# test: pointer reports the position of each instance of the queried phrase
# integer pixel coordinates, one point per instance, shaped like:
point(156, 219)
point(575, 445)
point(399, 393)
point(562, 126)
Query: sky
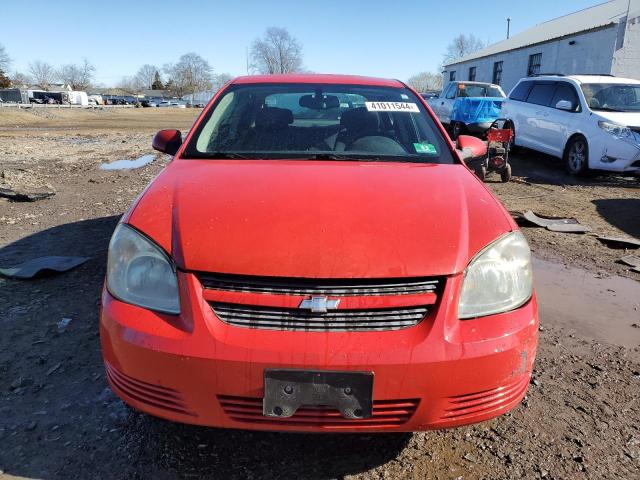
point(393, 39)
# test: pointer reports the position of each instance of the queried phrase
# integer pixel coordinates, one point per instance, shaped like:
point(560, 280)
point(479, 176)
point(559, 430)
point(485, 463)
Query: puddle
point(129, 164)
point(598, 308)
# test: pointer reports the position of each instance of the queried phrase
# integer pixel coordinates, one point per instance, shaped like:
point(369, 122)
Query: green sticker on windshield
point(425, 147)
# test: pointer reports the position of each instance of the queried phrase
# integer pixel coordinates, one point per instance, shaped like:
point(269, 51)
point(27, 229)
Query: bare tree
point(5, 60)
point(276, 52)
point(5, 82)
point(79, 77)
point(460, 46)
point(219, 80)
point(425, 81)
point(19, 79)
point(146, 76)
point(42, 73)
point(191, 74)
point(129, 84)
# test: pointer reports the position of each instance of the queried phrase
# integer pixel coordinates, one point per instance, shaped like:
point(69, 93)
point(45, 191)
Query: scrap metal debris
point(32, 268)
point(619, 242)
point(632, 261)
point(22, 185)
point(555, 224)
point(24, 196)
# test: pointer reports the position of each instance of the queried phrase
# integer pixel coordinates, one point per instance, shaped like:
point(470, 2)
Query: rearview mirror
point(470, 147)
point(319, 102)
point(167, 141)
point(564, 105)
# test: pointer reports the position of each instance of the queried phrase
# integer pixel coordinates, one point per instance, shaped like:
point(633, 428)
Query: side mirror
point(564, 105)
point(167, 141)
point(470, 147)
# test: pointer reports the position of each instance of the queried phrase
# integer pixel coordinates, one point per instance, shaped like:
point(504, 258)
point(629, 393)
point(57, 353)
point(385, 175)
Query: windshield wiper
point(330, 156)
point(225, 155)
point(607, 109)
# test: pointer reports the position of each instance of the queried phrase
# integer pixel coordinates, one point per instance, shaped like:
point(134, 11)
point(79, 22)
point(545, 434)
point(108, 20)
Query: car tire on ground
point(505, 174)
point(512, 145)
point(481, 172)
point(576, 155)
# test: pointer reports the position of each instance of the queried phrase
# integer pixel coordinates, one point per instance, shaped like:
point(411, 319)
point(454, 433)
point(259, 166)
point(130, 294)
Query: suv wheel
point(576, 156)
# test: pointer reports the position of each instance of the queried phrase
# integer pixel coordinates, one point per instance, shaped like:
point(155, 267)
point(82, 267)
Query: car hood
point(319, 219)
point(631, 119)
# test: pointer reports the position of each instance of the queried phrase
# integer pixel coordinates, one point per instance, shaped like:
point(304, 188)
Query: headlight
point(615, 129)
point(498, 279)
point(140, 273)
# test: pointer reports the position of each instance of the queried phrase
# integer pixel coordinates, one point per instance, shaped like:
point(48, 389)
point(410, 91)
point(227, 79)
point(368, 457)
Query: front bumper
point(196, 369)
point(615, 154)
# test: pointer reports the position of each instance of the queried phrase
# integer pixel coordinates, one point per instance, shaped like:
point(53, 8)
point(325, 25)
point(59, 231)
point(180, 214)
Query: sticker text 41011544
point(392, 107)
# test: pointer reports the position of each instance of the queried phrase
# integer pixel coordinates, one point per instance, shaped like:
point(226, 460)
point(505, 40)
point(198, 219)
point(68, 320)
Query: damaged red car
point(317, 257)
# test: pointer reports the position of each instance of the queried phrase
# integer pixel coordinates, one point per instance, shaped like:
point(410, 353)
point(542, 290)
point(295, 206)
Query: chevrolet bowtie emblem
point(319, 304)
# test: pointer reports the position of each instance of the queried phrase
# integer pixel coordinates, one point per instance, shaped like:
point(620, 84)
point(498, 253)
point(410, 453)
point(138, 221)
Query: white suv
point(590, 121)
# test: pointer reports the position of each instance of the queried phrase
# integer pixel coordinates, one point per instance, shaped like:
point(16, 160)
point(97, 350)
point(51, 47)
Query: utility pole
point(247, 57)
point(508, 25)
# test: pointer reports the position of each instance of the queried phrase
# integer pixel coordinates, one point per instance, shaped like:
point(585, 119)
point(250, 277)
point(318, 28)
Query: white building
point(602, 39)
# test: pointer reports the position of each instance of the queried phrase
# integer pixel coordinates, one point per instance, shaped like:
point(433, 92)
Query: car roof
point(476, 83)
point(583, 78)
point(319, 78)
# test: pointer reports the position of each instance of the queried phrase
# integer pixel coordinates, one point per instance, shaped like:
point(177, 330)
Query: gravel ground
point(58, 419)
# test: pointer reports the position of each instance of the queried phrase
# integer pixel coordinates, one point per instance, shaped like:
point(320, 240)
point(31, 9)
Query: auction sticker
point(392, 107)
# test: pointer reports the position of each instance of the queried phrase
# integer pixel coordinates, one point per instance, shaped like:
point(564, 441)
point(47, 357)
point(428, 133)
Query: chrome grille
point(309, 286)
point(252, 316)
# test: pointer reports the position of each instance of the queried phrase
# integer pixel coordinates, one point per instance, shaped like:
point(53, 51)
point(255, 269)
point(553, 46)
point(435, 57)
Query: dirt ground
point(58, 418)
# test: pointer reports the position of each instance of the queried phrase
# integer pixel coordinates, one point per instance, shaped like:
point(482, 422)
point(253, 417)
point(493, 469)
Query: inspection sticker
point(425, 147)
point(392, 107)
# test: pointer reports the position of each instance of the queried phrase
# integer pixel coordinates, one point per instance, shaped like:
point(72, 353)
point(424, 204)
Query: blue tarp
point(476, 109)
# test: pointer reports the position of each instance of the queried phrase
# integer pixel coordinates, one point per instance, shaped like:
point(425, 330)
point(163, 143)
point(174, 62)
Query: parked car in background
point(431, 94)
point(164, 104)
point(307, 263)
point(590, 121)
point(453, 111)
point(97, 99)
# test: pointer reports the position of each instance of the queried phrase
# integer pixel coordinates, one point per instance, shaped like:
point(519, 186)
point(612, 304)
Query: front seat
point(356, 123)
point(272, 129)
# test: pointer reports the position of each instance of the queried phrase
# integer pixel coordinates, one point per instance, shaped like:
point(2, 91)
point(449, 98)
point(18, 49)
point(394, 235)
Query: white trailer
point(78, 98)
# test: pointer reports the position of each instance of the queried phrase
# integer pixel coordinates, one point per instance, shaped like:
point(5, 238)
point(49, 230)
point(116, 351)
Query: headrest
point(360, 119)
point(272, 117)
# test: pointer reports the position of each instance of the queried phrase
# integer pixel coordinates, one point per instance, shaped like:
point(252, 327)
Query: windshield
point(319, 121)
point(471, 90)
point(613, 97)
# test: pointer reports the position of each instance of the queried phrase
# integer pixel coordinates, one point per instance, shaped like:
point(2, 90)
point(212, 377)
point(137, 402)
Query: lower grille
point(152, 395)
point(479, 403)
point(252, 316)
point(386, 413)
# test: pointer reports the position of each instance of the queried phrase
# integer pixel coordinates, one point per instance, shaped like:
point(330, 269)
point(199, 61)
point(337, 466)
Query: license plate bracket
point(287, 390)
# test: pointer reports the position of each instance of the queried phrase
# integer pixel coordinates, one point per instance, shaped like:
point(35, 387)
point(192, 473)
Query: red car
point(317, 257)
